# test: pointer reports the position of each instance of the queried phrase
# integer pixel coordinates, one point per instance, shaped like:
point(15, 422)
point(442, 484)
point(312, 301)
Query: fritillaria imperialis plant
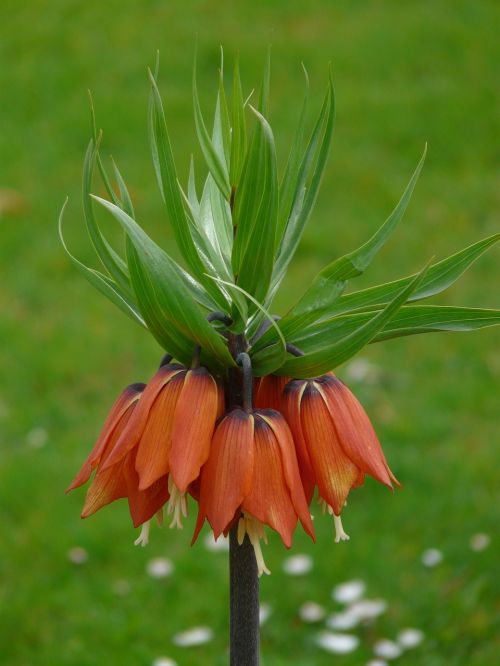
point(244, 417)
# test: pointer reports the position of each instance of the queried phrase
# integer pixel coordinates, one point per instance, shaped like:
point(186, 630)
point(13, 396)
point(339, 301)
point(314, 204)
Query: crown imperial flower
point(195, 429)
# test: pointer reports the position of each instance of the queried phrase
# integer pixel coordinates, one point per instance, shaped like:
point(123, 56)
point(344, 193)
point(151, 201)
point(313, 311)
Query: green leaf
point(288, 186)
point(215, 163)
point(239, 133)
point(167, 180)
point(166, 295)
point(101, 282)
point(325, 359)
point(113, 263)
point(308, 183)
point(221, 133)
point(410, 320)
point(168, 336)
point(253, 252)
point(215, 220)
point(331, 281)
point(191, 192)
point(439, 277)
point(97, 140)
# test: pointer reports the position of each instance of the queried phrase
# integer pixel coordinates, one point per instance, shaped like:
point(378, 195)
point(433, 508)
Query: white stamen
point(176, 505)
point(340, 535)
point(143, 538)
point(159, 517)
point(255, 530)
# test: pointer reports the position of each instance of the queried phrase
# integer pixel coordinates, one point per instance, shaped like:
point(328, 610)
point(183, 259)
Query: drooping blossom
point(252, 479)
point(161, 443)
point(119, 480)
point(335, 442)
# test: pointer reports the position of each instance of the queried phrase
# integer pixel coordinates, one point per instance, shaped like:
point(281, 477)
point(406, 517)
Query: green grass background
point(405, 73)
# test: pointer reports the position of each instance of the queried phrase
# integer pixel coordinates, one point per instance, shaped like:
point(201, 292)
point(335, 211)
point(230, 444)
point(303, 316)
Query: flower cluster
point(246, 466)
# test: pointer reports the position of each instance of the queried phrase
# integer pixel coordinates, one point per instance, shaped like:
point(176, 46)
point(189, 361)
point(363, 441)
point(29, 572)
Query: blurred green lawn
point(405, 73)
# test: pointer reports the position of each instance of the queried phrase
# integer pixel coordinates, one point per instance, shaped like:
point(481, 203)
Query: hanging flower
point(335, 441)
point(119, 480)
point(163, 443)
point(252, 478)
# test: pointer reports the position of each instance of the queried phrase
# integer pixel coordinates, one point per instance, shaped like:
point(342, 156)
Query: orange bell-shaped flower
point(336, 443)
point(252, 477)
point(119, 480)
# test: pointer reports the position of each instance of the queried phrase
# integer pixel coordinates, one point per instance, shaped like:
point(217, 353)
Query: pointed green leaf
point(113, 263)
point(167, 289)
point(410, 320)
point(439, 277)
point(253, 252)
point(288, 186)
point(215, 163)
point(324, 360)
point(221, 134)
point(331, 281)
point(191, 192)
point(239, 133)
point(166, 174)
point(309, 180)
point(101, 282)
point(168, 336)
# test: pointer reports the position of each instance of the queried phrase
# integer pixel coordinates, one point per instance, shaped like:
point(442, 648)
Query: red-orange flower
point(335, 441)
point(252, 477)
point(119, 480)
point(171, 431)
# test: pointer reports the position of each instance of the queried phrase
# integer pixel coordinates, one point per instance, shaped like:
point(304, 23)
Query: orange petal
point(108, 485)
point(269, 392)
point(334, 472)
point(269, 499)
point(143, 504)
point(153, 450)
point(226, 478)
point(132, 434)
point(289, 459)
point(193, 426)
point(113, 425)
point(356, 434)
point(292, 397)
point(221, 400)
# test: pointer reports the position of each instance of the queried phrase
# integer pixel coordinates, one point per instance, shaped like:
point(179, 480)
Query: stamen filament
point(176, 505)
point(340, 535)
point(255, 530)
point(143, 538)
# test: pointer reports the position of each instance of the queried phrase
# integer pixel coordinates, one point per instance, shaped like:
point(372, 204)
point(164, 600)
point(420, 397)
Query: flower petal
point(113, 425)
point(269, 499)
point(132, 434)
point(154, 447)
point(226, 478)
point(193, 426)
point(355, 431)
point(270, 391)
point(289, 459)
point(292, 397)
point(108, 485)
point(143, 504)
point(334, 472)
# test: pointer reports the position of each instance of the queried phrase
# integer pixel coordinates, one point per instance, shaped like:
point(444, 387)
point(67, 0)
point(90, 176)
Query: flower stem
point(244, 634)
point(244, 602)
